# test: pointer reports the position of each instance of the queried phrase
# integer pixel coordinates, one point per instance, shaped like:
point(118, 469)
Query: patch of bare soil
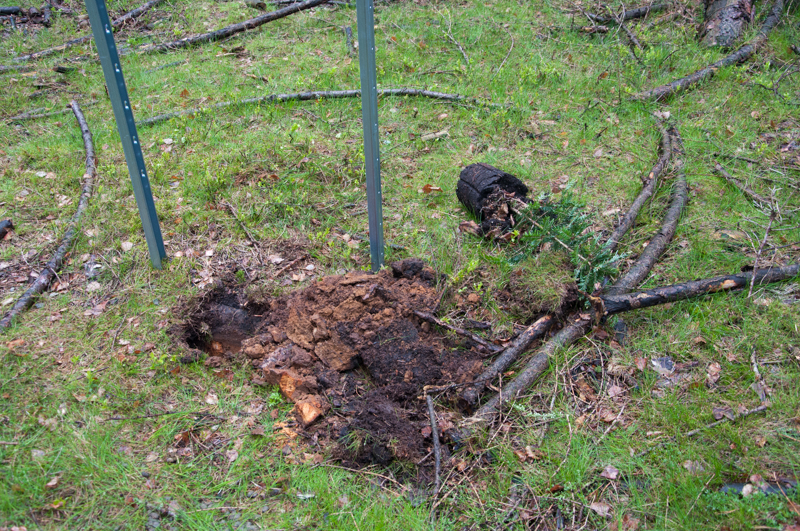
point(348, 351)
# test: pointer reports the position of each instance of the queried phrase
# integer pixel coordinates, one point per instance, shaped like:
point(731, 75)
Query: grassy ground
point(97, 348)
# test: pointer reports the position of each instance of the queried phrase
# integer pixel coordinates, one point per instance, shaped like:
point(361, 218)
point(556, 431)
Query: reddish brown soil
point(349, 352)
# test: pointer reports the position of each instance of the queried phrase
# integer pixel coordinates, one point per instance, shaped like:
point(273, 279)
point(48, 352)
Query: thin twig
point(507, 54)
point(437, 450)
point(694, 432)
point(320, 95)
point(449, 35)
point(290, 264)
point(700, 494)
point(460, 331)
point(760, 250)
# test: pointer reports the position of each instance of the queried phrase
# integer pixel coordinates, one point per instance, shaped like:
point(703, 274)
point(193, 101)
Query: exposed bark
point(47, 275)
point(5, 226)
point(614, 304)
point(629, 14)
point(47, 13)
point(649, 187)
point(658, 243)
point(724, 21)
point(127, 17)
point(233, 29)
point(479, 181)
point(742, 54)
point(574, 330)
point(469, 396)
point(316, 95)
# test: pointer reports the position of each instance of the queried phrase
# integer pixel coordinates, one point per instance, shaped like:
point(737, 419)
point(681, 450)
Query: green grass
point(294, 174)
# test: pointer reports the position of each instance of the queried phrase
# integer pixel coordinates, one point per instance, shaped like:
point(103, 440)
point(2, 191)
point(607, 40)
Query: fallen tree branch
point(437, 450)
point(233, 29)
point(127, 17)
point(317, 95)
point(460, 331)
point(573, 331)
point(658, 243)
point(44, 279)
point(638, 12)
point(469, 396)
point(32, 115)
point(580, 324)
point(694, 432)
point(650, 185)
point(739, 56)
point(614, 304)
point(11, 10)
point(742, 187)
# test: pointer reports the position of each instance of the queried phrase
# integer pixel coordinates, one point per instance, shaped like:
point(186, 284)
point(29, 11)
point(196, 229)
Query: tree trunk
point(724, 21)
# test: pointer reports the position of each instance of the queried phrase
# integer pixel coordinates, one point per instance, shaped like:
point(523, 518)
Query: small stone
point(145, 474)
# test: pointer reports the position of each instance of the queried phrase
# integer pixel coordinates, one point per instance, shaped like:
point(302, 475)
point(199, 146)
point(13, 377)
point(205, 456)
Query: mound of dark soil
point(348, 351)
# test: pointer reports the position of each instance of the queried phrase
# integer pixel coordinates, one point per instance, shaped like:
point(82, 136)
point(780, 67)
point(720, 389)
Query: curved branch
point(317, 95)
point(131, 15)
point(658, 243)
point(580, 324)
point(233, 29)
point(650, 185)
point(739, 56)
point(44, 279)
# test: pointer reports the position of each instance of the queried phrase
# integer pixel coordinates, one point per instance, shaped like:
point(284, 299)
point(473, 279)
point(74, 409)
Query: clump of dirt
point(348, 351)
point(540, 284)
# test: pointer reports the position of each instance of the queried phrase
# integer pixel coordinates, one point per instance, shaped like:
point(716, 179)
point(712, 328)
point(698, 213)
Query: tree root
point(317, 95)
point(127, 17)
point(614, 304)
point(658, 243)
point(460, 331)
point(47, 275)
point(233, 29)
point(739, 56)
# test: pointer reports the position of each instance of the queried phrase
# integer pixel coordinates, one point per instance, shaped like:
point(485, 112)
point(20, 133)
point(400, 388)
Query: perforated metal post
point(369, 112)
point(118, 93)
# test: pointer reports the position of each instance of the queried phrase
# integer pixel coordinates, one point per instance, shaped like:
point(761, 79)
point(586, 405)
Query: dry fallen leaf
point(610, 472)
point(601, 508)
point(126, 246)
point(232, 455)
point(212, 399)
point(428, 188)
point(53, 483)
point(713, 373)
